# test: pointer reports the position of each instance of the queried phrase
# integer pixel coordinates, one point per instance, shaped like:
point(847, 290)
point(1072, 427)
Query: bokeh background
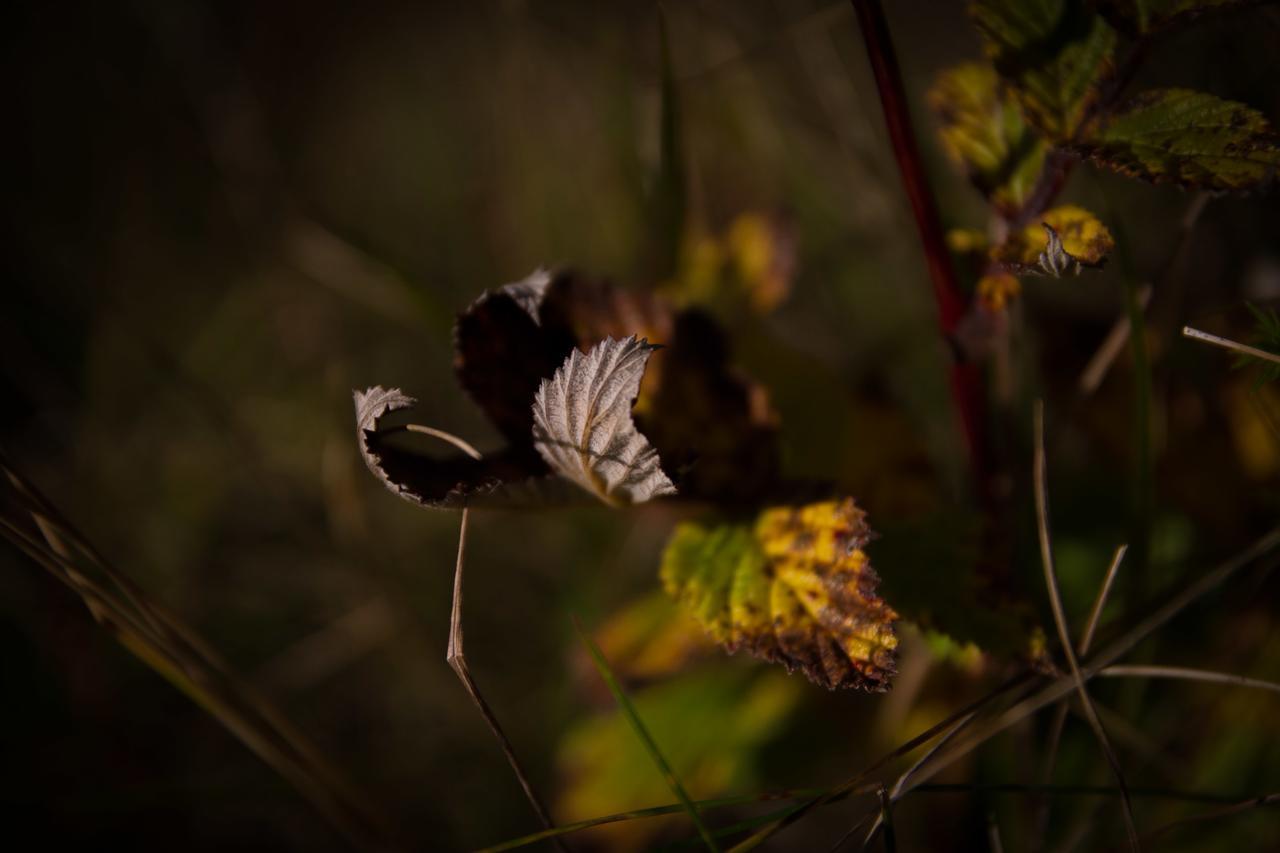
point(222, 217)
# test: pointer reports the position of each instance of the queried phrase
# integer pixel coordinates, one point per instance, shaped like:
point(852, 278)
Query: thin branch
point(965, 380)
point(1060, 617)
point(1188, 674)
point(1228, 344)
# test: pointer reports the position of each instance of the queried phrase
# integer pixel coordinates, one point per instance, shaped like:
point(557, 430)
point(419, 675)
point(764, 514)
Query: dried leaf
point(795, 588)
point(1055, 53)
point(583, 426)
point(509, 478)
point(502, 353)
point(1189, 138)
point(983, 131)
point(1066, 239)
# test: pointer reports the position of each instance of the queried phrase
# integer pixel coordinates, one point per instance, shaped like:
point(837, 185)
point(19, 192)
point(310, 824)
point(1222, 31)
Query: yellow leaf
point(796, 588)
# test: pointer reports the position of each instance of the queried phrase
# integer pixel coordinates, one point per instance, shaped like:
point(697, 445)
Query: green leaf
point(1189, 138)
point(983, 131)
point(1054, 53)
point(795, 588)
point(1139, 17)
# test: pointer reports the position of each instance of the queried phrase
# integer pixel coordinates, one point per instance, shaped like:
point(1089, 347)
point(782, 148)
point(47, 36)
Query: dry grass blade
point(1060, 716)
point(1060, 617)
point(1110, 348)
point(457, 660)
point(1188, 674)
point(173, 650)
point(856, 784)
point(1055, 691)
point(654, 811)
point(1215, 814)
point(650, 745)
point(896, 793)
point(1228, 344)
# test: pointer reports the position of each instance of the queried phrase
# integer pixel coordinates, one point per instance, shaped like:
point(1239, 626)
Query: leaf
point(508, 478)
point(1065, 239)
point(502, 352)
point(795, 588)
point(983, 131)
point(583, 426)
point(1139, 17)
point(1056, 54)
point(1188, 138)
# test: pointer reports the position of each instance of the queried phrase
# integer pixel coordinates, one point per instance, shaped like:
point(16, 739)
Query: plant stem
point(965, 380)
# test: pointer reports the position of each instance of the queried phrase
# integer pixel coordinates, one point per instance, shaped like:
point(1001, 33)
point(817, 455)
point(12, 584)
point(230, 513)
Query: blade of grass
point(654, 811)
point(1215, 814)
point(1187, 674)
point(1060, 618)
point(160, 641)
point(1041, 823)
point(651, 746)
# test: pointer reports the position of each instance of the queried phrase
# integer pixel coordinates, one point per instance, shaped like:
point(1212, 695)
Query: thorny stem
point(965, 380)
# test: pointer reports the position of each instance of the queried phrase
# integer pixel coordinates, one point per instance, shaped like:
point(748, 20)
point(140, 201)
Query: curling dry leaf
point(1063, 240)
point(1188, 138)
point(512, 477)
point(983, 131)
point(583, 426)
point(795, 588)
point(1056, 54)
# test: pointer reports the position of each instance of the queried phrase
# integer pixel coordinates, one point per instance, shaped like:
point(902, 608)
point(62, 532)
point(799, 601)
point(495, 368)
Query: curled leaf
point(451, 481)
point(1189, 138)
point(795, 588)
point(983, 131)
point(583, 426)
point(1066, 239)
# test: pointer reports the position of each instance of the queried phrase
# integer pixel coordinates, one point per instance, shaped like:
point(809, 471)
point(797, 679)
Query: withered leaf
point(795, 588)
point(583, 426)
point(452, 481)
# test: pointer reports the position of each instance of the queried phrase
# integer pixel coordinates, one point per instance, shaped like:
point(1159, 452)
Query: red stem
point(965, 380)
